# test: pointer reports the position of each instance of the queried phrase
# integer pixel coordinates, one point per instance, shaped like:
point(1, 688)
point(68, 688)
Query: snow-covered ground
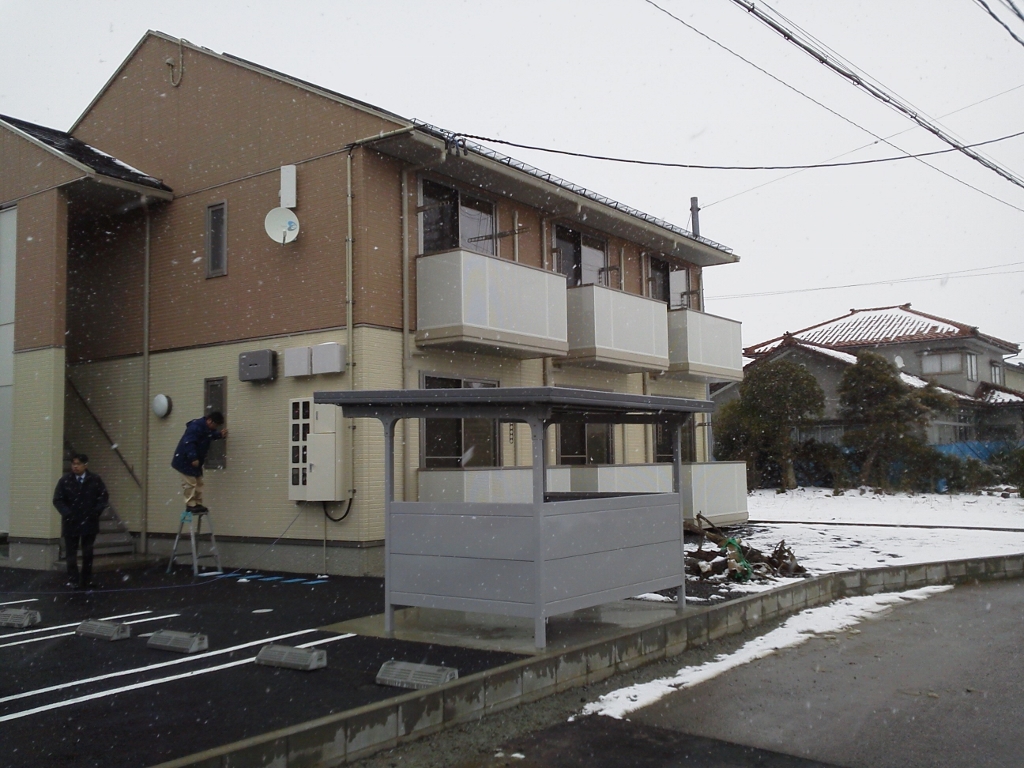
point(838, 533)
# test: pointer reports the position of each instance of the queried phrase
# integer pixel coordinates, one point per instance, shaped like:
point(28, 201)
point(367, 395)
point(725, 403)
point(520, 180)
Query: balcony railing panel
point(616, 330)
point(471, 302)
point(717, 489)
point(704, 347)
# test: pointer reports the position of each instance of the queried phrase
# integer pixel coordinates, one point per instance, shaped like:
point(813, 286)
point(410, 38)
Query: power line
point(826, 108)
point(880, 94)
point(863, 146)
point(696, 166)
point(956, 274)
point(1005, 26)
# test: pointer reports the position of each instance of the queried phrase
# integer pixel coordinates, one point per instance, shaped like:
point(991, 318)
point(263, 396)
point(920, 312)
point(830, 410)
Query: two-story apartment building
point(281, 239)
point(957, 358)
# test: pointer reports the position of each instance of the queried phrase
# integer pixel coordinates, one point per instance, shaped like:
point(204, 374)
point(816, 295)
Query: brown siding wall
point(269, 288)
point(26, 168)
point(221, 123)
point(41, 271)
point(105, 276)
point(377, 263)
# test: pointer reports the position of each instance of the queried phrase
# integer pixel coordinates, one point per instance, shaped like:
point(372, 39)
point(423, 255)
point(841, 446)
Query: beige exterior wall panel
point(250, 497)
point(38, 441)
point(41, 271)
point(27, 169)
point(112, 392)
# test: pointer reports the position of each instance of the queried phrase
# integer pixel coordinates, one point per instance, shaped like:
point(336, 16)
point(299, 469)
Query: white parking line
point(68, 634)
point(16, 602)
point(160, 665)
point(148, 683)
point(72, 624)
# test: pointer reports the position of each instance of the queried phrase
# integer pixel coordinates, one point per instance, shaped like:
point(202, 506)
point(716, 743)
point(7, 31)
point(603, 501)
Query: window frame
point(574, 277)
point(995, 371)
point(460, 243)
point(940, 356)
point(496, 459)
point(972, 366)
point(216, 457)
point(223, 269)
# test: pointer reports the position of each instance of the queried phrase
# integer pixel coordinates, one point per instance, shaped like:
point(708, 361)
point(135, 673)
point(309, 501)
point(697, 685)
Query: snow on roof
point(1001, 397)
point(77, 150)
point(879, 325)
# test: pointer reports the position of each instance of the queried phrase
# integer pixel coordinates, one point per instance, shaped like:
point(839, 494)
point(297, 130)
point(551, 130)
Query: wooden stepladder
point(195, 532)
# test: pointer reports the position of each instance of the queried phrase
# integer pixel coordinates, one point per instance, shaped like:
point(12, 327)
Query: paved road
point(932, 683)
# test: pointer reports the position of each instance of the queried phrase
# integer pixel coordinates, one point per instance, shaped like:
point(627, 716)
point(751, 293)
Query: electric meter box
point(318, 466)
point(257, 366)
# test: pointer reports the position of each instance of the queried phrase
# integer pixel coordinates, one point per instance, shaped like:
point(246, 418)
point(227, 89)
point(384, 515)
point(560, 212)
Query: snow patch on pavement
point(835, 617)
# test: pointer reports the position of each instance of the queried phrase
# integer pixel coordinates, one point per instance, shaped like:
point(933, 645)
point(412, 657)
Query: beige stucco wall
point(38, 442)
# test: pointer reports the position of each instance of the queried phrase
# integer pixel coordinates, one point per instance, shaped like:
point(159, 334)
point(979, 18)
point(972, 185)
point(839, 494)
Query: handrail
point(99, 424)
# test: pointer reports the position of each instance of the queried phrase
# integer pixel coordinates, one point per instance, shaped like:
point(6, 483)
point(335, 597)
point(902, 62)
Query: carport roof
point(550, 404)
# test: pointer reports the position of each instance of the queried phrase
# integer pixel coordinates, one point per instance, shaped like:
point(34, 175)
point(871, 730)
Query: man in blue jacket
point(190, 455)
point(80, 497)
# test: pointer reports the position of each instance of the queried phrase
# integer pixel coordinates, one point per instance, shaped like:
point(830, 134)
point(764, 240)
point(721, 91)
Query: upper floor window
point(972, 366)
point(581, 258)
point(216, 240)
point(945, 362)
point(659, 280)
point(997, 373)
point(584, 443)
point(453, 219)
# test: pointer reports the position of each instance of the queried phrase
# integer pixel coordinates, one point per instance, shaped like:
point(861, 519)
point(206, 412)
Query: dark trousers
point(71, 555)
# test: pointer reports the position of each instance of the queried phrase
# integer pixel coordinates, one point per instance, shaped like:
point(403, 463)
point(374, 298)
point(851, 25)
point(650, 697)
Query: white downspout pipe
point(144, 510)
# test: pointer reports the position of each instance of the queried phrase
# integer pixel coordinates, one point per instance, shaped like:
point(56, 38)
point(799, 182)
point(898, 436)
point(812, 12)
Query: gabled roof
point(878, 326)
point(470, 160)
point(80, 154)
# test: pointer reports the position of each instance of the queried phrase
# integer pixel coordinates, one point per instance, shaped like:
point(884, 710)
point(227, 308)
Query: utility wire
point(1013, 8)
point(826, 108)
point(1006, 26)
point(858, 149)
point(918, 278)
point(805, 167)
point(880, 94)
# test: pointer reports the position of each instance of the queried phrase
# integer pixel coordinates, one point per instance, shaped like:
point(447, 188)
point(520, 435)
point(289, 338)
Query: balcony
point(718, 490)
point(469, 302)
point(704, 347)
point(616, 331)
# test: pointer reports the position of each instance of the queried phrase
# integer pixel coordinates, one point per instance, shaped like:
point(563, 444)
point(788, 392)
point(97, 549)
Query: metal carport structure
point(551, 556)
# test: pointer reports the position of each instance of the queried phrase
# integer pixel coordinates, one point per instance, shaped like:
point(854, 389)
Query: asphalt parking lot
point(68, 700)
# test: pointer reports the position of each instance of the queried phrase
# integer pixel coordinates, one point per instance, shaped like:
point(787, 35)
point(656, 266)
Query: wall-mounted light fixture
point(161, 406)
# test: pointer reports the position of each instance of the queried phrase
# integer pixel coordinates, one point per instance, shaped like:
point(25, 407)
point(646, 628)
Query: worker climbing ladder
point(194, 519)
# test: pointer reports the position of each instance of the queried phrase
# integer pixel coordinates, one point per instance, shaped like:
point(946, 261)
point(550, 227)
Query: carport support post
point(677, 481)
point(389, 495)
point(539, 481)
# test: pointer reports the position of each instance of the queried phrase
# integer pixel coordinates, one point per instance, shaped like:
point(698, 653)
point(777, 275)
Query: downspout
point(144, 512)
point(544, 257)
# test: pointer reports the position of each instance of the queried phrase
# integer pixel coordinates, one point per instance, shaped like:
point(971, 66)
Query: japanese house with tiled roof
point(956, 357)
point(138, 264)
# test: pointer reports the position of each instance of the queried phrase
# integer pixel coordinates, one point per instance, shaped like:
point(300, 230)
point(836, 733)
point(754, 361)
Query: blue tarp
point(976, 449)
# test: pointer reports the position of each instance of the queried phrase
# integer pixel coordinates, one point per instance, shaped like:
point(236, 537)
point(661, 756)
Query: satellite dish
point(282, 225)
point(899, 362)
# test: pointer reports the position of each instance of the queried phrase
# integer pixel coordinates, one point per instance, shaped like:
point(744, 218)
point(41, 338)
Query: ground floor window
point(585, 444)
point(663, 442)
point(458, 443)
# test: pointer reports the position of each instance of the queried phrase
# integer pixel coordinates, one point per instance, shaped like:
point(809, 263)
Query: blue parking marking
point(270, 578)
point(319, 581)
point(294, 581)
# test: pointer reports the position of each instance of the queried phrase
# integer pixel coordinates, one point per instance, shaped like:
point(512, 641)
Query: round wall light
point(161, 406)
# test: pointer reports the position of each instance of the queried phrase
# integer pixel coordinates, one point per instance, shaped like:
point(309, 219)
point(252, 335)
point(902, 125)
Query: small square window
point(216, 240)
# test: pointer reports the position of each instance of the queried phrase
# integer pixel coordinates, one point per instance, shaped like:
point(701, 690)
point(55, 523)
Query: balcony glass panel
point(616, 330)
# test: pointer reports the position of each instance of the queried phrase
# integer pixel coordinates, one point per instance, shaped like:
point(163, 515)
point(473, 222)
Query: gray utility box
point(257, 366)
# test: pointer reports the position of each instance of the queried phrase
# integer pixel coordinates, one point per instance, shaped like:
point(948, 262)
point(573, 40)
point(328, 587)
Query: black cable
point(696, 166)
point(828, 109)
point(347, 510)
point(1006, 26)
point(878, 93)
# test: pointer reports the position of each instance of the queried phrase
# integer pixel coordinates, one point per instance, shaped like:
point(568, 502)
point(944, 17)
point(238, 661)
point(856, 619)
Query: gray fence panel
point(488, 537)
point(477, 578)
point(607, 530)
point(602, 571)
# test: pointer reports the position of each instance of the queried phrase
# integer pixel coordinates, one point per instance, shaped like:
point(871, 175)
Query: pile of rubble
point(729, 558)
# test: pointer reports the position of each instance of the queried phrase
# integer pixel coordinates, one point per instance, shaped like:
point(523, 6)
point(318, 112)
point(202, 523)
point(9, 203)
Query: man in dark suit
point(80, 497)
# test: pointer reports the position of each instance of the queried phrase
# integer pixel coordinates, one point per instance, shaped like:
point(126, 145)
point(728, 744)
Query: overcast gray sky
point(623, 78)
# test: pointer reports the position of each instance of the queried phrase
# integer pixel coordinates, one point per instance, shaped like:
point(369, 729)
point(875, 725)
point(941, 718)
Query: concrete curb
point(345, 737)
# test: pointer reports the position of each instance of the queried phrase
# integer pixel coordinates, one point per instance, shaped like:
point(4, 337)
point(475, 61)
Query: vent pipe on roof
point(694, 211)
